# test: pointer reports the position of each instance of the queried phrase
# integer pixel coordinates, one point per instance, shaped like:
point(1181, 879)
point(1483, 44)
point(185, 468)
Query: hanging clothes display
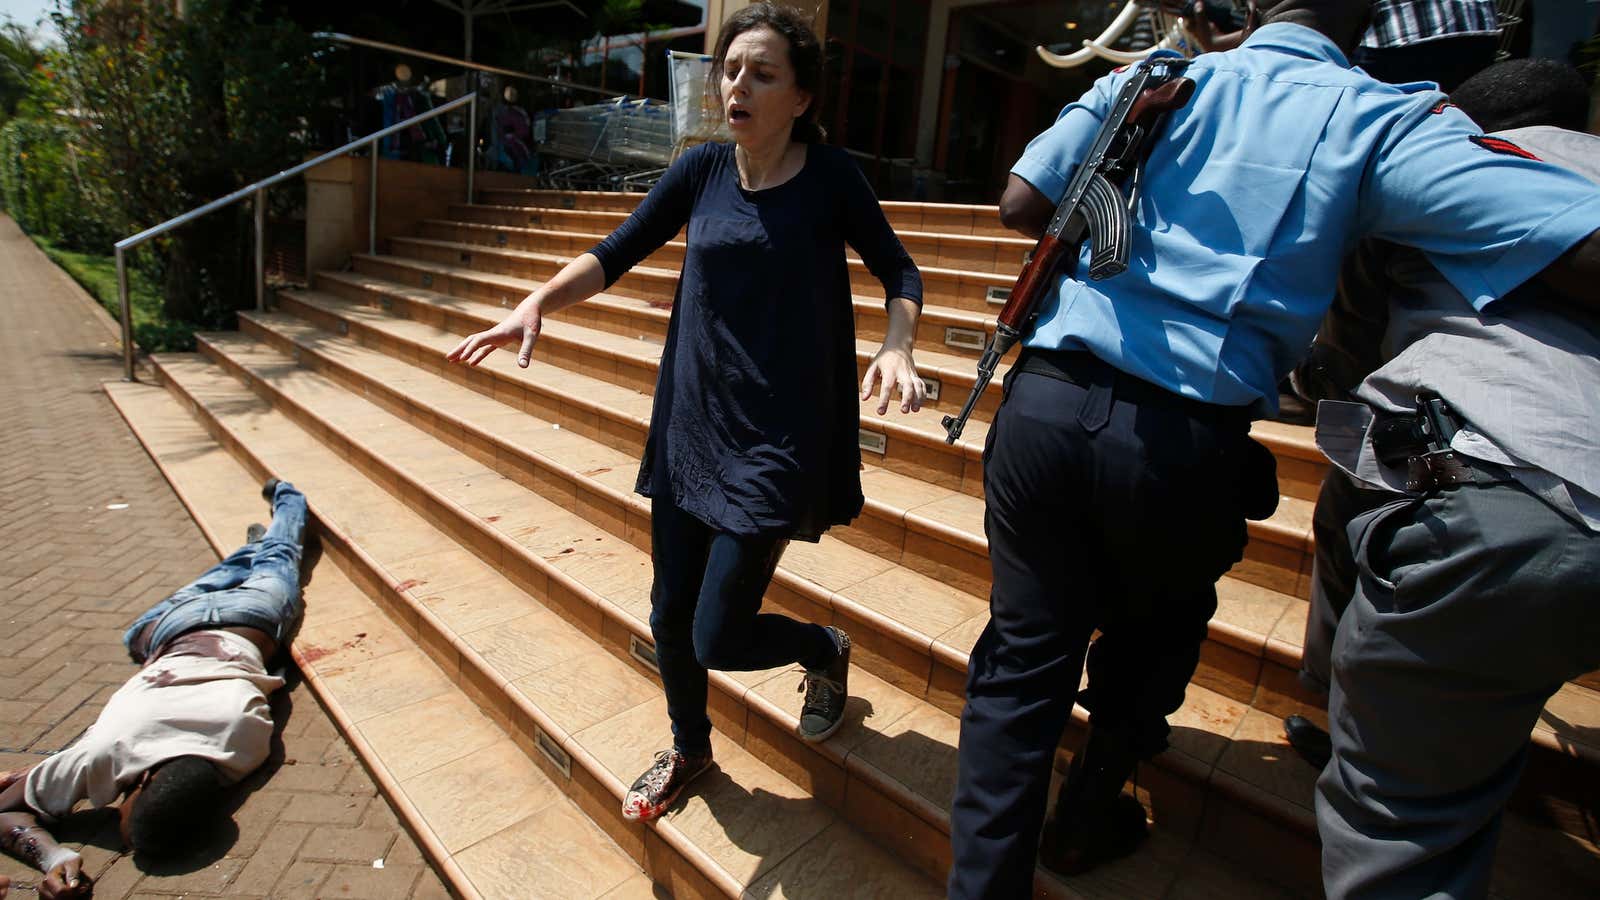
point(423, 142)
point(511, 137)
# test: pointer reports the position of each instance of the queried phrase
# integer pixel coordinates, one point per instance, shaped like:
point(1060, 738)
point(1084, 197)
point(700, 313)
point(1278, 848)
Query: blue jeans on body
point(705, 614)
point(258, 586)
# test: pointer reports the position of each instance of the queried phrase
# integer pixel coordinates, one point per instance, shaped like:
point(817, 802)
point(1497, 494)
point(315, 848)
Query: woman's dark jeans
point(705, 614)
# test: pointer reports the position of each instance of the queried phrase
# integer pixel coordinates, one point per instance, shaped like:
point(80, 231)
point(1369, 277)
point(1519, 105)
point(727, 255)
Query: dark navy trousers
point(705, 613)
point(1111, 505)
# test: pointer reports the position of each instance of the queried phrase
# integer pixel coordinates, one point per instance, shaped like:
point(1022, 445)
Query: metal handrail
point(422, 54)
point(259, 190)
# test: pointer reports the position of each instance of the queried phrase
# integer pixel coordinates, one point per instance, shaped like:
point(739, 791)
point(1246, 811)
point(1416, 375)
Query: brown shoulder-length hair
point(805, 57)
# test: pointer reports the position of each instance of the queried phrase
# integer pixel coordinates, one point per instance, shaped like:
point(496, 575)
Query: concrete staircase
point(482, 633)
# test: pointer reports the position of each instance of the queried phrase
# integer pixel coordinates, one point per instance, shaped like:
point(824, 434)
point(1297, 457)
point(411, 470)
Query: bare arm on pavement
point(23, 837)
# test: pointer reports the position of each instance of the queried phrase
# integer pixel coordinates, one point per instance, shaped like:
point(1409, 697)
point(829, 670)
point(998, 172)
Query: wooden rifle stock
point(1093, 205)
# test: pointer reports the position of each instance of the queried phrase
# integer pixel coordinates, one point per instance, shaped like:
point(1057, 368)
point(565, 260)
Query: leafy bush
point(42, 188)
point(167, 112)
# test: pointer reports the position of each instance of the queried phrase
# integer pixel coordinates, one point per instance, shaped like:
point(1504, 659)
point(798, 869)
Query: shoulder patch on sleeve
point(1501, 145)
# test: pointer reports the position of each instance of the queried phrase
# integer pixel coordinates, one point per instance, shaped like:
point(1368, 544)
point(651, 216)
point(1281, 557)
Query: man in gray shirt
point(1472, 595)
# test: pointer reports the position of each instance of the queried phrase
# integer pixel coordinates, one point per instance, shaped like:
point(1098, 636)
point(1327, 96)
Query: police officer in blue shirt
point(1119, 471)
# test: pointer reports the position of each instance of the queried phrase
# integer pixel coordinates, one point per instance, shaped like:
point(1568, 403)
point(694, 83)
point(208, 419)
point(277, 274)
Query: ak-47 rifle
point(1093, 206)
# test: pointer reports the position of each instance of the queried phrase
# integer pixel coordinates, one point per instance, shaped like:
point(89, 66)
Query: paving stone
point(349, 845)
point(325, 808)
point(367, 883)
point(270, 860)
point(118, 880)
point(302, 879)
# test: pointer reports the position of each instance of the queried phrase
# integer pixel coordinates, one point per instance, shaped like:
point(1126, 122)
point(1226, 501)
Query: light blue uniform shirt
point(1284, 158)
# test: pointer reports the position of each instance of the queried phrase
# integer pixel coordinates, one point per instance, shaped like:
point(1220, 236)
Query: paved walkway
point(91, 535)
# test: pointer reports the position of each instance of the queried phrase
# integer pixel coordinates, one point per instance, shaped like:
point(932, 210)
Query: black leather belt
point(1086, 370)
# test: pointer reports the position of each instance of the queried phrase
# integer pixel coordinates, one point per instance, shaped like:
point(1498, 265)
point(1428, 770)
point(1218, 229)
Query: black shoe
point(826, 692)
point(1294, 411)
point(1094, 821)
point(255, 533)
point(1116, 832)
point(269, 490)
point(1311, 742)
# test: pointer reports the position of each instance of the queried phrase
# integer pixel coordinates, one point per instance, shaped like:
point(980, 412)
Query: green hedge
point(97, 273)
point(41, 189)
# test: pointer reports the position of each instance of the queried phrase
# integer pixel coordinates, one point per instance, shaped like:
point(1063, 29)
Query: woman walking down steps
point(753, 434)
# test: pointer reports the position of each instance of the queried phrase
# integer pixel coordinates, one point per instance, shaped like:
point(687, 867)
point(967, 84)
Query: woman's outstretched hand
point(520, 329)
point(894, 368)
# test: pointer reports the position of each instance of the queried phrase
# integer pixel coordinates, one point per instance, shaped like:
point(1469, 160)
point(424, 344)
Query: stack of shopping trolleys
point(625, 144)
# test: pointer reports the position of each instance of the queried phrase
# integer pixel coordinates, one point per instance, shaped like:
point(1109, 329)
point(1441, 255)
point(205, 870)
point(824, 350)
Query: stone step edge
point(968, 449)
point(930, 311)
point(519, 718)
point(1020, 243)
point(955, 374)
point(635, 509)
point(572, 336)
point(415, 824)
point(971, 447)
point(1270, 650)
point(656, 274)
point(635, 197)
point(1251, 797)
point(955, 381)
point(1242, 795)
point(628, 624)
point(854, 262)
point(512, 289)
point(1251, 643)
point(1248, 642)
point(945, 316)
point(1295, 447)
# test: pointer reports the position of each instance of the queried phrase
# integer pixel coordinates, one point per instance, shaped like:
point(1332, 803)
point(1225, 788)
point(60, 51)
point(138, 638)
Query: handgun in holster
point(1421, 443)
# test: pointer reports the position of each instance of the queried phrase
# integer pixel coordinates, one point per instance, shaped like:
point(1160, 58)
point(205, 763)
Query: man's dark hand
point(67, 882)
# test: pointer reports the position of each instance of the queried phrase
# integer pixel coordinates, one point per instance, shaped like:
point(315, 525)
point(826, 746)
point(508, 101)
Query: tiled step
point(904, 775)
point(906, 524)
point(888, 773)
point(522, 228)
point(629, 330)
point(579, 707)
point(1300, 464)
point(491, 822)
point(942, 218)
point(1251, 658)
point(956, 332)
point(969, 291)
point(911, 446)
point(1248, 772)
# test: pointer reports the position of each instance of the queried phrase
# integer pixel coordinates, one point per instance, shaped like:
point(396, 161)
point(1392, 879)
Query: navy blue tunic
point(754, 427)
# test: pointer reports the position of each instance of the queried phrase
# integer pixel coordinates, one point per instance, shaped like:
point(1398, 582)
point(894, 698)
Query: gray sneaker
point(826, 692)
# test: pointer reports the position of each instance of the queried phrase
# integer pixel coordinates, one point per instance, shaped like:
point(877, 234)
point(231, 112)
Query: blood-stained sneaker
point(654, 791)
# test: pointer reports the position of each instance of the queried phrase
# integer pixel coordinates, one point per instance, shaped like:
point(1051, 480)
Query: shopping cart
point(622, 144)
